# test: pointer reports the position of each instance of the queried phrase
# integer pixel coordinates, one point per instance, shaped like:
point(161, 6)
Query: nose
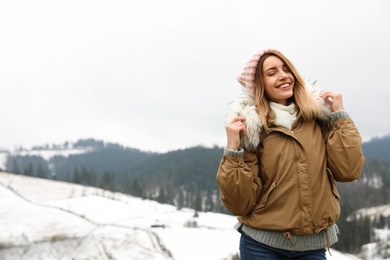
point(282, 74)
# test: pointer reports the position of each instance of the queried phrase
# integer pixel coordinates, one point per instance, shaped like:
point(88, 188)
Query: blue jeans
point(250, 249)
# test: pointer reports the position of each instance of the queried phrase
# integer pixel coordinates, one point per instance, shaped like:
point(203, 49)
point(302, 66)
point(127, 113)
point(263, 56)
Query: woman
point(286, 146)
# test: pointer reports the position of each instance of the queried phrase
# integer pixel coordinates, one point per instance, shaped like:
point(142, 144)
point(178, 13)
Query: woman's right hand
point(234, 129)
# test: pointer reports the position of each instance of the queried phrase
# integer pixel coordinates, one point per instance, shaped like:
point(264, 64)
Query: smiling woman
point(286, 146)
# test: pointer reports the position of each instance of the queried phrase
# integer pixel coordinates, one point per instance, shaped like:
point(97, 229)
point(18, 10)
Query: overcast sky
point(159, 75)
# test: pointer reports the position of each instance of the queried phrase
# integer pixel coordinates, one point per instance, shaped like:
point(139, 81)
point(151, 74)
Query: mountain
point(46, 219)
point(377, 148)
point(187, 173)
point(97, 156)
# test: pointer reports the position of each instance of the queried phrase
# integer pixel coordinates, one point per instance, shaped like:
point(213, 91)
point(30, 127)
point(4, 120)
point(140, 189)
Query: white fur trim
point(245, 106)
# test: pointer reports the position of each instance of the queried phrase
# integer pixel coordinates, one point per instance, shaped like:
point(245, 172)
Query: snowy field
point(43, 219)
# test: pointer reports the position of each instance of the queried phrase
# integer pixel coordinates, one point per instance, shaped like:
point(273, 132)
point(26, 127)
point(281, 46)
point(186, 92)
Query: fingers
point(333, 99)
point(237, 125)
point(234, 130)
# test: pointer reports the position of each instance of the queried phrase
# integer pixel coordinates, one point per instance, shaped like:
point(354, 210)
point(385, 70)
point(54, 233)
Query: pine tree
point(136, 188)
point(209, 202)
point(29, 171)
point(105, 182)
point(108, 181)
point(76, 178)
point(112, 181)
point(84, 176)
point(40, 172)
point(180, 200)
point(15, 167)
point(162, 195)
point(198, 201)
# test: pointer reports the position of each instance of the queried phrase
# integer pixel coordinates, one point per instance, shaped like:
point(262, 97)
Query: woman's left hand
point(333, 99)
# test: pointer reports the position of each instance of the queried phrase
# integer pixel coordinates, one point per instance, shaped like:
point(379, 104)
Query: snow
point(374, 213)
point(379, 248)
point(44, 219)
point(46, 154)
point(49, 153)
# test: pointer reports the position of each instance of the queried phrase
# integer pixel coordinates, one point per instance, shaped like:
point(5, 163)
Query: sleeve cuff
point(339, 114)
point(233, 153)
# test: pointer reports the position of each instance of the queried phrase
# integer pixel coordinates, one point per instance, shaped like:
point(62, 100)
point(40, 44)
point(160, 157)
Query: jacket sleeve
point(344, 150)
point(239, 183)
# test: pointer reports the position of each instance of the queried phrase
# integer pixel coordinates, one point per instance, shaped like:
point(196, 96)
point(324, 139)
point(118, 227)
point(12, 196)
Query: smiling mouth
point(285, 85)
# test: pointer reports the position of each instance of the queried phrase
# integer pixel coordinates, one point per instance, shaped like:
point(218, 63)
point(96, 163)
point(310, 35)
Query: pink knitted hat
point(247, 77)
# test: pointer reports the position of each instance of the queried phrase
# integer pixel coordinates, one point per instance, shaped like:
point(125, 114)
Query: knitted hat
point(247, 77)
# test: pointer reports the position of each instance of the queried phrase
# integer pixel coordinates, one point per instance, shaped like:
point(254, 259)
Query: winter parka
point(285, 180)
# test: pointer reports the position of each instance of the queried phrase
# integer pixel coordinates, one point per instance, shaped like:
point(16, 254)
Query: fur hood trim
point(245, 106)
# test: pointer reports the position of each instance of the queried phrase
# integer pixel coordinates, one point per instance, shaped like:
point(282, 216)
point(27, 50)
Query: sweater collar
point(285, 115)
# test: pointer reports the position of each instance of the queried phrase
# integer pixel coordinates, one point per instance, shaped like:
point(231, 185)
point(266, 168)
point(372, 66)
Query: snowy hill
point(44, 219)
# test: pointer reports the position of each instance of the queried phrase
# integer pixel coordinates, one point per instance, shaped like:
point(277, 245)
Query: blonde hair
point(306, 105)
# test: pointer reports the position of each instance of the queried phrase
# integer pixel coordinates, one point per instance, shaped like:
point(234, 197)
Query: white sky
point(159, 75)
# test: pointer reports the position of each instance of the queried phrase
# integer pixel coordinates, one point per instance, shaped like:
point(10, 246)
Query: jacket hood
point(245, 106)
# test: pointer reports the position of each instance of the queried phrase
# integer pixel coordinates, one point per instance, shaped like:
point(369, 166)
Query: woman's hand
point(333, 99)
point(234, 129)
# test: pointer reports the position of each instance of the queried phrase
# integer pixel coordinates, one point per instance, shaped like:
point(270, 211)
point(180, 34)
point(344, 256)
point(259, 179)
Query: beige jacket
point(287, 183)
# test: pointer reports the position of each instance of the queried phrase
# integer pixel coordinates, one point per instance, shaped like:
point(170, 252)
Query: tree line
point(184, 178)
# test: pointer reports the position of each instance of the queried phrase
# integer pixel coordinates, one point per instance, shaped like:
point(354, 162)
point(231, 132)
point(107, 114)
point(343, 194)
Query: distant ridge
point(377, 148)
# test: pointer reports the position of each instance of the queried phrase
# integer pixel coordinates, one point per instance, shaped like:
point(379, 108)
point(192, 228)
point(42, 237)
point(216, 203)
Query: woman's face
point(278, 80)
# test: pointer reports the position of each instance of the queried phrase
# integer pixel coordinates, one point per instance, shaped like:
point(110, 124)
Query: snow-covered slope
point(43, 219)
point(49, 153)
point(46, 154)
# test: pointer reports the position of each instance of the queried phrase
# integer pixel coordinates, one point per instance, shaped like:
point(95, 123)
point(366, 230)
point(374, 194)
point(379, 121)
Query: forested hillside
point(372, 189)
point(186, 178)
point(182, 177)
point(378, 148)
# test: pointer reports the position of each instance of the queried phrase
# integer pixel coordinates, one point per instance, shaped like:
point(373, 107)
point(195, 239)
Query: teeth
point(284, 85)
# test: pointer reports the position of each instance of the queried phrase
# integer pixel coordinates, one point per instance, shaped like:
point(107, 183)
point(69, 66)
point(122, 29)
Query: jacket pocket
point(333, 184)
point(264, 198)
